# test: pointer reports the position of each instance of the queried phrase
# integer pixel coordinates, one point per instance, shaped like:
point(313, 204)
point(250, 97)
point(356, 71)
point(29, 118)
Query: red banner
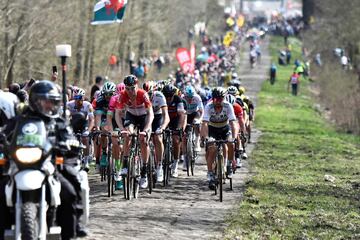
point(192, 56)
point(184, 59)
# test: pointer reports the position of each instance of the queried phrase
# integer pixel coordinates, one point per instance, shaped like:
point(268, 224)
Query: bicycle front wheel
point(220, 175)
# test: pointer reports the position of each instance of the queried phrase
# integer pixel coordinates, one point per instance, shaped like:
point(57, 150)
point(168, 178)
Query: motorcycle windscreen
point(30, 132)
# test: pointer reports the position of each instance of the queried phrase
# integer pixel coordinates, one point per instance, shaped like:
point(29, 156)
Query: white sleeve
point(162, 101)
point(199, 103)
point(207, 113)
point(230, 112)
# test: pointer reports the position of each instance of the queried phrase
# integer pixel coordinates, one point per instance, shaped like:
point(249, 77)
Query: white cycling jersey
point(86, 108)
point(193, 104)
point(158, 101)
point(219, 119)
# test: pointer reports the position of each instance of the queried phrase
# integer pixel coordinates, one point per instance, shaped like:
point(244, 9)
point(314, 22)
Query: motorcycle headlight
point(28, 155)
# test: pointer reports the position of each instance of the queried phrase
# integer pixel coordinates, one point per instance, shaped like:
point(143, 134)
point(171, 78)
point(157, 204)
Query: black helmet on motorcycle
point(169, 90)
point(45, 99)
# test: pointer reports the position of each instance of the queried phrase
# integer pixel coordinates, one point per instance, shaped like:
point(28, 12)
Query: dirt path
point(184, 210)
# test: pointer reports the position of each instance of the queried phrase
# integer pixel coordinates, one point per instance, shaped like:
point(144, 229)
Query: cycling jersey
point(193, 104)
point(176, 106)
point(112, 103)
point(238, 111)
point(86, 108)
point(220, 119)
point(136, 107)
point(100, 104)
point(158, 101)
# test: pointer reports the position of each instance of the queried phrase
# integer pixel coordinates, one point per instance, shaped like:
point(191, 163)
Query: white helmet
point(79, 92)
point(109, 87)
point(8, 103)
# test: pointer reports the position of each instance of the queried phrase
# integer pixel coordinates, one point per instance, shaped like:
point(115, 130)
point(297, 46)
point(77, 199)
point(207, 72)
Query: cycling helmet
point(109, 87)
point(45, 99)
point(230, 98)
point(233, 90)
point(148, 86)
point(159, 86)
point(234, 75)
point(241, 90)
point(169, 90)
point(218, 92)
point(189, 91)
point(120, 87)
point(130, 80)
point(79, 92)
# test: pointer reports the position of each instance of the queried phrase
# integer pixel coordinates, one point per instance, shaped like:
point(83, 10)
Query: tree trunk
point(80, 46)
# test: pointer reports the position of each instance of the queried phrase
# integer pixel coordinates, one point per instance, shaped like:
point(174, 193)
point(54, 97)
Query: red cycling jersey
point(138, 106)
point(238, 110)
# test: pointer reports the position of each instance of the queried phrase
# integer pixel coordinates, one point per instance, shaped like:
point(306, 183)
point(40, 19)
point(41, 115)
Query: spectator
point(288, 56)
point(344, 62)
point(99, 81)
point(282, 58)
point(14, 88)
point(294, 81)
point(273, 70)
point(318, 59)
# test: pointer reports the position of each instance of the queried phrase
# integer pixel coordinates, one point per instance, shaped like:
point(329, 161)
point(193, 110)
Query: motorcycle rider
point(44, 103)
point(8, 104)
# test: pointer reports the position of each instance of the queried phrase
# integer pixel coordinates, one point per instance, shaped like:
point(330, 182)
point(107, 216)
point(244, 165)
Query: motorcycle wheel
point(29, 221)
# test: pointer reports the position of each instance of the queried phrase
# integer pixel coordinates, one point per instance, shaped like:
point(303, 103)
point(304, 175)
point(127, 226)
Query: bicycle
point(167, 156)
point(191, 154)
point(131, 180)
point(107, 166)
point(219, 166)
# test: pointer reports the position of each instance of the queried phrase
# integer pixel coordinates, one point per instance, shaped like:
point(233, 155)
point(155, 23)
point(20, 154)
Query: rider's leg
point(176, 152)
point(159, 149)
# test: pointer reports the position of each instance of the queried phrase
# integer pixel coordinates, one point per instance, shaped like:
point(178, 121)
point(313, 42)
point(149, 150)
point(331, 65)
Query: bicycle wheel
point(136, 176)
point(109, 177)
point(192, 163)
point(130, 177)
point(166, 164)
point(220, 175)
point(188, 155)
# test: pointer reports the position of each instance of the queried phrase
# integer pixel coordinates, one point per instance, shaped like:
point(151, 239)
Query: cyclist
point(251, 113)
point(77, 107)
point(139, 113)
point(238, 111)
point(177, 114)
point(219, 122)
point(101, 105)
point(194, 111)
point(245, 107)
point(160, 122)
point(112, 127)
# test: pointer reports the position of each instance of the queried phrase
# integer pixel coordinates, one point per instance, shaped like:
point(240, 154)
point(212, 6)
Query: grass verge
point(307, 181)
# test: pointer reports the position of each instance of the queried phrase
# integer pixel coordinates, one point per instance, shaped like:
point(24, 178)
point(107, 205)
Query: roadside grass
point(289, 196)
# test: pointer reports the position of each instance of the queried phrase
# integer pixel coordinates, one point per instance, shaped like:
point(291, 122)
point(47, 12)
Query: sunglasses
point(78, 97)
point(108, 94)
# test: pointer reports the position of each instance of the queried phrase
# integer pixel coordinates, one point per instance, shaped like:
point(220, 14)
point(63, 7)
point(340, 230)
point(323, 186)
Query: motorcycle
point(33, 189)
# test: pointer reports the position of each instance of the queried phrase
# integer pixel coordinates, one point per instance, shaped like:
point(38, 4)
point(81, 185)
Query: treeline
point(31, 29)
point(335, 25)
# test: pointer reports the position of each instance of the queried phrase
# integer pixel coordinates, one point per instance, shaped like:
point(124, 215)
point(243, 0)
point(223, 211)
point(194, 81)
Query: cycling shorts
point(222, 133)
point(174, 122)
point(137, 121)
point(156, 122)
point(191, 117)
